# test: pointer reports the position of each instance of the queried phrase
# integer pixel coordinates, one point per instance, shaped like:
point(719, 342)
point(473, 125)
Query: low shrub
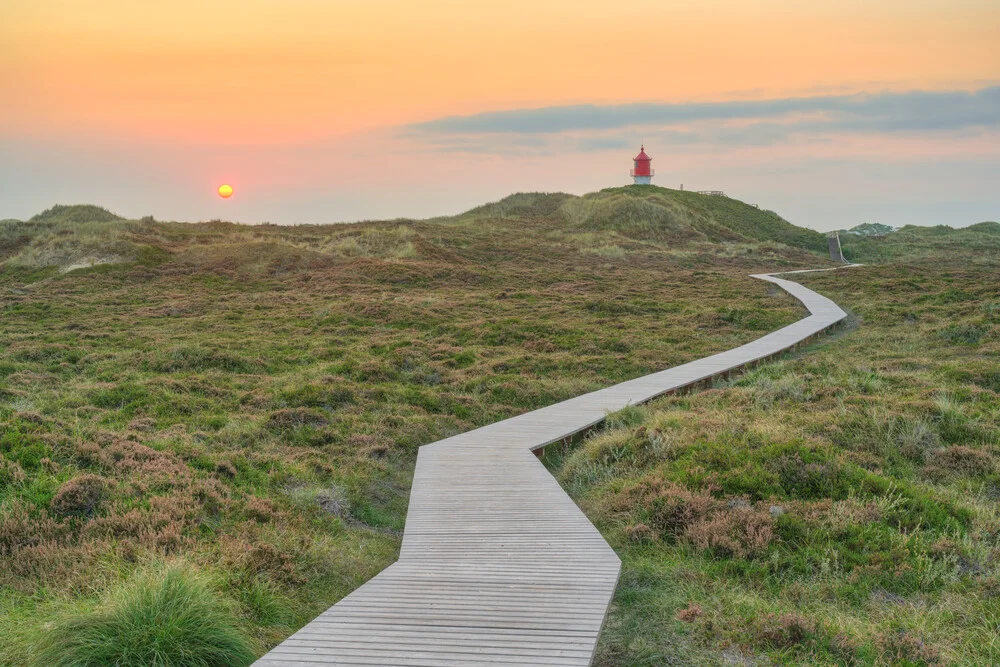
point(739, 531)
point(262, 510)
point(293, 418)
point(729, 527)
point(901, 647)
point(785, 630)
point(11, 473)
point(640, 532)
point(691, 613)
point(959, 460)
point(79, 496)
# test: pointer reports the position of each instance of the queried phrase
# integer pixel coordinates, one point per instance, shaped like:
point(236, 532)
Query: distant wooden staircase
point(836, 253)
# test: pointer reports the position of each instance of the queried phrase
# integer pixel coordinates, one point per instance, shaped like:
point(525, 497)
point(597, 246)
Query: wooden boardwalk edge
point(498, 566)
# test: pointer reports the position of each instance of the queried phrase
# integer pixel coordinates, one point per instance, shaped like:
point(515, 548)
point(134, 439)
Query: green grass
point(168, 618)
point(980, 243)
point(835, 507)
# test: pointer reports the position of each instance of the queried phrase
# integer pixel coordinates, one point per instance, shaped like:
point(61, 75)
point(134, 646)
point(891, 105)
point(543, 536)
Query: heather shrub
point(293, 418)
point(740, 532)
point(79, 496)
point(784, 630)
point(23, 526)
point(959, 460)
point(252, 556)
point(170, 618)
point(11, 473)
point(225, 469)
point(900, 647)
point(726, 526)
point(807, 479)
point(640, 532)
point(261, 510)
point(691, 613)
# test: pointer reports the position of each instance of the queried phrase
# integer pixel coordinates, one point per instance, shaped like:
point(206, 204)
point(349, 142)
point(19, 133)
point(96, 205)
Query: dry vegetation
point(221, 421)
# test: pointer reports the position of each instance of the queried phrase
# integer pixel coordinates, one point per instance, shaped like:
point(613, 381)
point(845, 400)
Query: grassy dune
point(219, 420)
point(978, 243)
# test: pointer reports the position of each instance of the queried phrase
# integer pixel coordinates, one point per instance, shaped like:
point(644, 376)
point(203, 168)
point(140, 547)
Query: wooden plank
point(498, 566)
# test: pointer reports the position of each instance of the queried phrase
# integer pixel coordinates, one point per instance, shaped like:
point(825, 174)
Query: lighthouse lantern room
point(641, 173)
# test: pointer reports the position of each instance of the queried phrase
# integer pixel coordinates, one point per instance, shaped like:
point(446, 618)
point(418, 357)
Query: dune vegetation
point(836, 507)
point(212, 427)
point(232, 413)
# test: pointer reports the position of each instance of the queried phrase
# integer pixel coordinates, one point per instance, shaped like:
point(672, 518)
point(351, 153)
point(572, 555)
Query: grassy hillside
point(653, 213)
point(76, 214)
point(979, 242)
point(220, 421)
point(838, 507)
point(683, 228)
point(713, 214)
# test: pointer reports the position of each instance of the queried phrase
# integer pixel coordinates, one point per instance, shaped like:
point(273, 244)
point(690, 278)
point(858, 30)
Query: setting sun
point(225, 191)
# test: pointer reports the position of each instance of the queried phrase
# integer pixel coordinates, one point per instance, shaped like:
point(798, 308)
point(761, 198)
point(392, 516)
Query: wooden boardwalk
point(498, 566)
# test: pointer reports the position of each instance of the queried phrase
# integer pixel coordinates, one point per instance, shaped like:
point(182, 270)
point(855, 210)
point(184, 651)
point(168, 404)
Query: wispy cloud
point(591, 127)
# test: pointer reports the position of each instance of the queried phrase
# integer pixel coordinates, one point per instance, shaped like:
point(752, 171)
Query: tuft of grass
point(629, 416)
point(167, 618)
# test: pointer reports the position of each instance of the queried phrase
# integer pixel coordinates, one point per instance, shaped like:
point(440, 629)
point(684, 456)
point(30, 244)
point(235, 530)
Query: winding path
point(498, 566)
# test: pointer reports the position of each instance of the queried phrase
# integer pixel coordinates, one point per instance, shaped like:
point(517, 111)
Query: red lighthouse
point(641, 173)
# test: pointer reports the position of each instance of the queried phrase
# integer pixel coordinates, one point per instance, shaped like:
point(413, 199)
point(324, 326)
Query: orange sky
point(270, 71)
point(308, 106)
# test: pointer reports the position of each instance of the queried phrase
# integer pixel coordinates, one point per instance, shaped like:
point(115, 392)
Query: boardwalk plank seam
point(498, 566)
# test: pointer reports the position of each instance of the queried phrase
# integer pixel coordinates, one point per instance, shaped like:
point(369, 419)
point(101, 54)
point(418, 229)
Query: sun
point(225, 191)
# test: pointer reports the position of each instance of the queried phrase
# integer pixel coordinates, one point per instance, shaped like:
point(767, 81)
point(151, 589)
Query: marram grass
point(162, 618)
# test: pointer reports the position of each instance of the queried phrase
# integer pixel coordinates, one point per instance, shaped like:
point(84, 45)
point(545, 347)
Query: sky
point(831, 113)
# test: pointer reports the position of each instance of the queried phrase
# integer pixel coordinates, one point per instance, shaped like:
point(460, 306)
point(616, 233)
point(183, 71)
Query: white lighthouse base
point(642, 180)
